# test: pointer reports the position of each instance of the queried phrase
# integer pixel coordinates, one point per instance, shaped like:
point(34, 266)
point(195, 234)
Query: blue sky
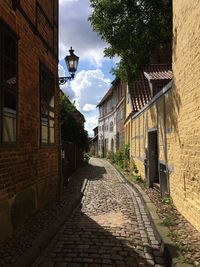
point(93, 77)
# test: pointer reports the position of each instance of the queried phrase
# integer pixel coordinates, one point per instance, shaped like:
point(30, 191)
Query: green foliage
point(120, 157)
point(136, 179)
point(168, 220)
point(134, 29)
point(167, 200)
point(134, 168)
point(71, 129)
point(134, 174)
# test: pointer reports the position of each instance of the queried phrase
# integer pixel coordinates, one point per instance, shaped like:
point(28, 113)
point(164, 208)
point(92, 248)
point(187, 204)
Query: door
point(153, 176)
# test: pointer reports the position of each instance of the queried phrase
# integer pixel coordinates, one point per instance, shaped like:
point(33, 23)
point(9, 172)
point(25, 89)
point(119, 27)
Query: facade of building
point(111, 119)
point(164, 134)
point(29, 106)
point(93, 143)
point(142, 122)
point(184, 119)
point(79, 117)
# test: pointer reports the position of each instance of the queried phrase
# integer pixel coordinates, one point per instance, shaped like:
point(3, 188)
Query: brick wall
point(178, 148)
point(139, 135)
point(27, 165)
point(185, 142)
point(176, 116)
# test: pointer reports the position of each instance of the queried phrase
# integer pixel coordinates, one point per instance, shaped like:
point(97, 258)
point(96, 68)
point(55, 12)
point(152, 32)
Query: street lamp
point(72, 64)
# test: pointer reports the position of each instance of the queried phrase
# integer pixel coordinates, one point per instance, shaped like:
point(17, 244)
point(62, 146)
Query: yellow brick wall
point(140, 126)
point(184, 141)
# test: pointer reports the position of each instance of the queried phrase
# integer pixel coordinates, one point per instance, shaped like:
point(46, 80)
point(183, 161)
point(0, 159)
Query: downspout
point(166, 154)
point(61, 155)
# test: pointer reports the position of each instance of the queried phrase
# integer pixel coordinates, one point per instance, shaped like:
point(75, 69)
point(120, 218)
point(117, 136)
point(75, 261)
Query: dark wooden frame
point(4, 87)
point(42, 65)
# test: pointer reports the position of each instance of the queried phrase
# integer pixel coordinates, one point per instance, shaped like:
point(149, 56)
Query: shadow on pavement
point(84, 242)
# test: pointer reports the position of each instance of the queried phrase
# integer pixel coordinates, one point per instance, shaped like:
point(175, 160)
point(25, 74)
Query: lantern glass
point(72, 61)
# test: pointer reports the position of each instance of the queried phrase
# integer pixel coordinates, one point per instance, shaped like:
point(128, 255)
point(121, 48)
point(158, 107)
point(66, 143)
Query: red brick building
point(29, 105)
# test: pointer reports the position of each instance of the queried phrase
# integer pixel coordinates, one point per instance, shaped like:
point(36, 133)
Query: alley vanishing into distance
point(109, 228)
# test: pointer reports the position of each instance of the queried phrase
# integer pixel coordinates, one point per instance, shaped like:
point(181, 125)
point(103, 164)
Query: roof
point(158, 75)
point(79, 115)
point(106, 96)
point(109, 92)
point(140, 90)
point(94, 138)
point(95, 128)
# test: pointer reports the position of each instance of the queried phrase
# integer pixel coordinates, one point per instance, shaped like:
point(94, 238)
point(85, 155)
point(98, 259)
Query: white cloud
point(89, 107)
point(75, 30)
point(91, 123)
point(89, 87)
point(61, 71)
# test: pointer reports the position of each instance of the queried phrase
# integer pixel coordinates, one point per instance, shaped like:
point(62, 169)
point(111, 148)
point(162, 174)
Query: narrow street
point(109, 228)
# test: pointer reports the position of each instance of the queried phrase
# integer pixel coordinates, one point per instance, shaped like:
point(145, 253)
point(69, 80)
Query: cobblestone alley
point(109, 228)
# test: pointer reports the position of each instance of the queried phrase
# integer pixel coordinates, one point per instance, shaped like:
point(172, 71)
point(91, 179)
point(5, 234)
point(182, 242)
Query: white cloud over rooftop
point(89, 87)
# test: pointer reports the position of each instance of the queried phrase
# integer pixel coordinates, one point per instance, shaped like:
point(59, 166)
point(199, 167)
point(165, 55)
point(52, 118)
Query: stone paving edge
point(40, 243)
point(171, 253)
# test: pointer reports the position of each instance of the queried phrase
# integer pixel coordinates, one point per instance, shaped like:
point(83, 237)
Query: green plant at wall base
point(172, 235)
point(184, 249)
point(168, 220)
point(136, 178)
point(167, 200)
point(120, 157)
point(111, 156)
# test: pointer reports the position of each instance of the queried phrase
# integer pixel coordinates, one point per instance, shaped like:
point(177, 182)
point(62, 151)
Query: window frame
point(14, 90)
point(49, 108)
point(111, 126)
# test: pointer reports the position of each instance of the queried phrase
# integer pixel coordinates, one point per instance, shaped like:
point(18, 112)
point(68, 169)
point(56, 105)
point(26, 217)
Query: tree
point(134, 30)
point(71, 129)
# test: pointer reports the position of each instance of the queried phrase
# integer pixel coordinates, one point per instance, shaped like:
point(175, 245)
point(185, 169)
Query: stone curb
point(171, 253)
point(40, 243)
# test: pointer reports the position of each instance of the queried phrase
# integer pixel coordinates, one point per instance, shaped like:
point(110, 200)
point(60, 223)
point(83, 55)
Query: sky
point(93, 77)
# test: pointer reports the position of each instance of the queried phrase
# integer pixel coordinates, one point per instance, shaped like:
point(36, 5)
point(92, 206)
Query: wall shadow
point(173, 106)
point(83, 241)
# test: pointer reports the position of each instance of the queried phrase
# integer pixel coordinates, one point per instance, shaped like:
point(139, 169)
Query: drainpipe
point(60, 153)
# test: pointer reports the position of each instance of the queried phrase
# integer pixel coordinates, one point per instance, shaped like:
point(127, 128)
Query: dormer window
point(157, 88)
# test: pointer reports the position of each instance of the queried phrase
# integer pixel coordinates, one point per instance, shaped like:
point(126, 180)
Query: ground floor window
point(8, 85)
point(47, 102)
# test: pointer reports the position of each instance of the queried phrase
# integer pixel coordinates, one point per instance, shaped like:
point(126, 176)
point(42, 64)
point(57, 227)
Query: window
point(157, 88)
point(111, 126)
point(47, 97)
point(8, 85)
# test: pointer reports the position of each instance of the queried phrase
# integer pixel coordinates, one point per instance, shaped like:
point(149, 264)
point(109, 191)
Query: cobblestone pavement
point(109, 228)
